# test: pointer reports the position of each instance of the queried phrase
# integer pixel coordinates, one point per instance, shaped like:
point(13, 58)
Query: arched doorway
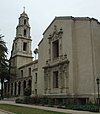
point(29, 83)
point(19, 88)
point(24, 85)
point(15, 88)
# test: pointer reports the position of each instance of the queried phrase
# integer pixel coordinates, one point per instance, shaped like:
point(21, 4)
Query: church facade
point(68, 60)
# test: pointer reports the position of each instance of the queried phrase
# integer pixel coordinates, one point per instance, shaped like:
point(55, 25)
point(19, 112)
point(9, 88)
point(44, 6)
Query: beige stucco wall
point(87, 59)
point(23, 60)
point(66, 49)
point(34, 83)
point(26, 71)
point(34, 69)
point(41, 62)
point(96, 50)
point(84, 78)
point(81, 43)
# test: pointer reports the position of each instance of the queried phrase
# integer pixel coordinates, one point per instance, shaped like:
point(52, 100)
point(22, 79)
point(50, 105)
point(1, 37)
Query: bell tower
point(21, 50)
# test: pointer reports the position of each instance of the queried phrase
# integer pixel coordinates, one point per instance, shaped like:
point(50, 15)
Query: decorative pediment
point(56, 34)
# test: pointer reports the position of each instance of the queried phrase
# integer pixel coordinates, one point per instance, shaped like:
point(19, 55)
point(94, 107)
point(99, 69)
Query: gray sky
point(41, 13)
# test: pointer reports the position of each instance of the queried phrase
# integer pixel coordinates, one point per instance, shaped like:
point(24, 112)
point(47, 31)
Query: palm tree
point(4, 69)
point(35, 52)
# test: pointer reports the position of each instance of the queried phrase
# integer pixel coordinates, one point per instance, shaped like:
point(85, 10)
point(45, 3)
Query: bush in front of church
point(27, 91)
point(19, 101)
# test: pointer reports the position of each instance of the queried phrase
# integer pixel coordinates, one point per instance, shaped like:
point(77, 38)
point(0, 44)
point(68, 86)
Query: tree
point(35, 52)
point(4, 68)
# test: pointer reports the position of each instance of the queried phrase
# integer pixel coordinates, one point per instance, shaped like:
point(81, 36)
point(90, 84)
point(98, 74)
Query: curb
point(6, 111)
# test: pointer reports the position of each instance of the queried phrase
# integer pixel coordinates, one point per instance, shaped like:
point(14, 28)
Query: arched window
point(24, 21)
point(21, 73)
point(55, 49)
point(55, 79)
point(24, 46)
point(24, 32)
point(29, 71)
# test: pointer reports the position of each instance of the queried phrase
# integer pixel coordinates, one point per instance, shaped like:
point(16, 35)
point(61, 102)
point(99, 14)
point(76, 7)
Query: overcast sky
point(41, 13)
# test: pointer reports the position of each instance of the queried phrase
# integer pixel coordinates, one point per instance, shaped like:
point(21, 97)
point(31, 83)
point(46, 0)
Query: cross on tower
point(24, 9)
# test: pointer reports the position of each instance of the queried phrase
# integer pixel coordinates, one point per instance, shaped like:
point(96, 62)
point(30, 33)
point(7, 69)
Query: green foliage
point(87, 107)
point(44, 100)
point(4, 66)
point(35, 100)
point(27, 91)
point(19, 100)
point(8, 95)
point(3, 48)
point(47, 101)
point(50, 102)
point(3, 56)
point(28, 100)
point(36, 51)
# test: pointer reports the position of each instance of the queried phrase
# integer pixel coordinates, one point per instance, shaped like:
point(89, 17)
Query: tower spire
point(24, 9)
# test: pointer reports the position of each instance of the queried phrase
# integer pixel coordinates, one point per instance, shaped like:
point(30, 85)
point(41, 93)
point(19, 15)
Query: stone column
point(26, 83)
point(10, 88)
point(65, 74)
point(49, 82)
point(21, 89)
point(45, 81)
point(61, 87)
point(16, 88)
point(66, 81)
point(13, 88)
point(60, 78)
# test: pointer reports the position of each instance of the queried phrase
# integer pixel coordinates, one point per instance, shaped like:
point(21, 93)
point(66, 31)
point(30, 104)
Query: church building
point(68, 60)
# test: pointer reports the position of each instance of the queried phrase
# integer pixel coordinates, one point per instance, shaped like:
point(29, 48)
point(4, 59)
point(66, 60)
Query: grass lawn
point(25, 110)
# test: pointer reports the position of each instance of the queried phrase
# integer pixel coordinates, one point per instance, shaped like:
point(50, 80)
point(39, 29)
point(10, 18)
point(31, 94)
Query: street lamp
point(98, 82)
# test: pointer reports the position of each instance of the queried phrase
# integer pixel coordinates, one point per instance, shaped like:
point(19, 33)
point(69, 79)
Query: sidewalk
point(48, 108)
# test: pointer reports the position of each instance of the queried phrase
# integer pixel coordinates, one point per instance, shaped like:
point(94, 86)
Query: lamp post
point(98, 82)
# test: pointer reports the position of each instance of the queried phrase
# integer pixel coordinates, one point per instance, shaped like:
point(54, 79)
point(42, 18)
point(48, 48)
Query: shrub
point(35, 100)
point(44, 100)
point(92, 108)
point(27, 100)
point(87, 107)
point(50, 102)
point(19, 100)
point(27, 91)
point(8, 95)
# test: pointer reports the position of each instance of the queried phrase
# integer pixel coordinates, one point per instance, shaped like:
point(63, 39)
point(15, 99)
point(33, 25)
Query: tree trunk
point(2, 82)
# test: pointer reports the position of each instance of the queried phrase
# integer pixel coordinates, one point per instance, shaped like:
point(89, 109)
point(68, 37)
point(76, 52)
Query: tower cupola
point(21, 51)
point(23, 28)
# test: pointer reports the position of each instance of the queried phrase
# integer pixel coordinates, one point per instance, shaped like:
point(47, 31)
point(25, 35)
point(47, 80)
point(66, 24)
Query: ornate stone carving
point(49, 51)
point(56, 34)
